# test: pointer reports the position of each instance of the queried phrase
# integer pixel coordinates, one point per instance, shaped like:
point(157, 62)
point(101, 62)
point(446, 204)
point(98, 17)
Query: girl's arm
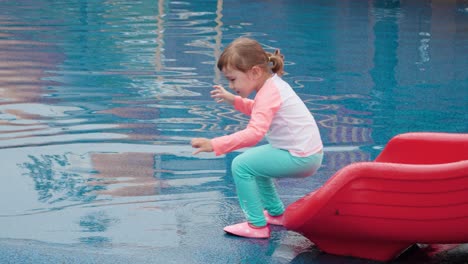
point(267, 103)
point(202, 145)
point(221, 95)
point(243, 105)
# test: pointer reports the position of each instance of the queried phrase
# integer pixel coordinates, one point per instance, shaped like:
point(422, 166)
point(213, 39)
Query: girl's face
point(242, 83)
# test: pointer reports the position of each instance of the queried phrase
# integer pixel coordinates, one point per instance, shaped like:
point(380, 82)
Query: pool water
point(99, 101)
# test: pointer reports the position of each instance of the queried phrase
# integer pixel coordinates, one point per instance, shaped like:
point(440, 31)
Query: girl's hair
point(244, 53)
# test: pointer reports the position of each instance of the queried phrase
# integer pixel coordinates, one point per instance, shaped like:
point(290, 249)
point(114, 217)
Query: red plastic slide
point(416, 191)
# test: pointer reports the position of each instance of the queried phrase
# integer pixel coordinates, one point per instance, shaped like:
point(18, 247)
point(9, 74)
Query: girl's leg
point(253, 172)
point(243, 171)
point(270, 198)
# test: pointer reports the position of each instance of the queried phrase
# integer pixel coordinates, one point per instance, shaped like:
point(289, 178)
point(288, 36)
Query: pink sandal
point(273, 220)
point(247, 230)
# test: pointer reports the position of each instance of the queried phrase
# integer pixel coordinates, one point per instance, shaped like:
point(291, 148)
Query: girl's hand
point(202, 145)
point(221, 95)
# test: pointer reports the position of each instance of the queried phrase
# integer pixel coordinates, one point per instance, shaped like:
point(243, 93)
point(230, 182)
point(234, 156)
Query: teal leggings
point(254, 172)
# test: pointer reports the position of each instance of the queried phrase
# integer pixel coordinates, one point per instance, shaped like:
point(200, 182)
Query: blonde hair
point(244, 53)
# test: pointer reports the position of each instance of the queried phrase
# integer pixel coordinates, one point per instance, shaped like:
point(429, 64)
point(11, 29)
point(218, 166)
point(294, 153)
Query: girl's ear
point(256, 72)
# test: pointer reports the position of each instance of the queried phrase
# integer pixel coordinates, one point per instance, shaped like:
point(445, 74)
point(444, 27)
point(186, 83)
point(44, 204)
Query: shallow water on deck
point(99, 101)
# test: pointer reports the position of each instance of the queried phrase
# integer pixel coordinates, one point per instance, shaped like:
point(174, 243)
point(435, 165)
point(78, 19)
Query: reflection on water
point(99, 99)
point(55, 181)
point(132, 172)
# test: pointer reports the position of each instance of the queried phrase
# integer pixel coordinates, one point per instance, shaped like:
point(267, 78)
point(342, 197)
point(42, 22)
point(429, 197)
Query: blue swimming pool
point(99, 101)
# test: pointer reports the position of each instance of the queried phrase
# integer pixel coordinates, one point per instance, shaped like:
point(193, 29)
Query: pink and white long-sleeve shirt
point(278, 113)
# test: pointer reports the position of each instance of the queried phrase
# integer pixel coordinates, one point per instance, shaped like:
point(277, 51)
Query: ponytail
point(276, 61)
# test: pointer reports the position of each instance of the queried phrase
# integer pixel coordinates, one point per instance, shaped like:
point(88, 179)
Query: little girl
point(294, 146)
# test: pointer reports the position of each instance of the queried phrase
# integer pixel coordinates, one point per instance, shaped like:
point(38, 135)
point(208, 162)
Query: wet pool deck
point(208, 245)
point(184, 226)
